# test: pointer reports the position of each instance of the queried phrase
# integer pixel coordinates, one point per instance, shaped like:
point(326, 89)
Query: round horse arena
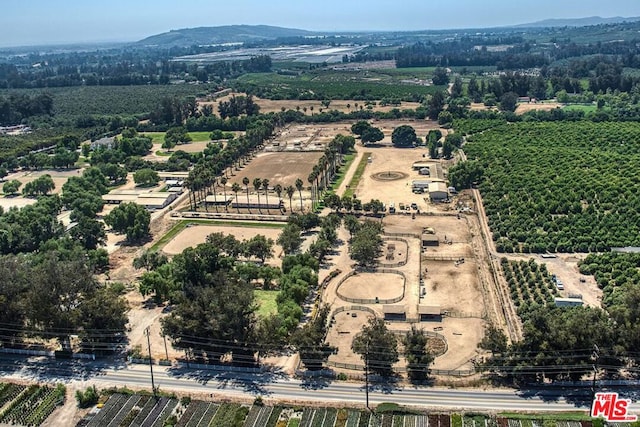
point(389, 176)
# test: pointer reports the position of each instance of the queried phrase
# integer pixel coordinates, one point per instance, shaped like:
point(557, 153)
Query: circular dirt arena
point(371, 285)
point(389, 176)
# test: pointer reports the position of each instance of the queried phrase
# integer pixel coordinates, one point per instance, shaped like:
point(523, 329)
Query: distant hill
point(221, 34)
point(577, 22)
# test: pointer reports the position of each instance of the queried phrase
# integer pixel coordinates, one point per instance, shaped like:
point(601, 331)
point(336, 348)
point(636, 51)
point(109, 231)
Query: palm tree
point(299, 186)
point(290, 190)
point(245, 182)
point(265, 187)
point(223, 182)
point(310, 179)
point(278, 190)
point(214, 184)
point(236, 188)
point(257, 183)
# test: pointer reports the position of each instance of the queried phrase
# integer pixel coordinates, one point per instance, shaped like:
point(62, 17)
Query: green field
point(266, 301)
point(158, 137)
point(353, 184)
point(369, 85)
point(581, 107)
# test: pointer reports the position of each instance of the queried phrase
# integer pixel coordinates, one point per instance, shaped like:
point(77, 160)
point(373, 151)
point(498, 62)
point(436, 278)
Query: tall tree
point(290, 192)
point(131, 219)
point(257, 183)
point(418, 358)
point(265, 187)
point(377, 346)
point(299, 187)
point(236, 189)
point(245, 182)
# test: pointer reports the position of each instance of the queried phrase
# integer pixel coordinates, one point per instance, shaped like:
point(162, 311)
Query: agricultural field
point(560, 187)
point(529, 283)
point(28, 405)
point(136, 410)
point(310, 107)
point(358, 85)
point(111, 100)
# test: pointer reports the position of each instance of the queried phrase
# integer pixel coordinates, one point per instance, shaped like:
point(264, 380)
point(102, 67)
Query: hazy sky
point(27, 22)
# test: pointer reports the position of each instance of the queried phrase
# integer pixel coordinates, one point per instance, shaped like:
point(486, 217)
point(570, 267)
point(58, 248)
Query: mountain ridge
point(576, 22)
point(221, 34)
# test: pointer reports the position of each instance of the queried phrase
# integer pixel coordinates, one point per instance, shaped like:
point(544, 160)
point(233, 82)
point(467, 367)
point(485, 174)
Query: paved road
point(282, 388)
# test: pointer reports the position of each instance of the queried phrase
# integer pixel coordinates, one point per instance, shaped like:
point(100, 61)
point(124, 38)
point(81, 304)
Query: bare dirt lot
point(275, 106)
point(59, 177)
point(196, 234)
point(372, 285)
point(279, 168)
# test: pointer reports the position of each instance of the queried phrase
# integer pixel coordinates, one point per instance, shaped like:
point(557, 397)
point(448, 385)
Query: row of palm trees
point(218, 163)
point(327, 166)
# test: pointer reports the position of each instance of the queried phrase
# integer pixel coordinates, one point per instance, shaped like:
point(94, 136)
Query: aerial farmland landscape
point(302, 220)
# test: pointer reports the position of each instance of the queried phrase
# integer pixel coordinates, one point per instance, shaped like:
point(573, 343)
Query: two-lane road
point(277, 387)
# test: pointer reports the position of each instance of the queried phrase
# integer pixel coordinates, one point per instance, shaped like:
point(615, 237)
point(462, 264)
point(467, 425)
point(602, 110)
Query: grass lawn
point(266, 302)
point(580, 107)
point(158, 137)
point(353, 184)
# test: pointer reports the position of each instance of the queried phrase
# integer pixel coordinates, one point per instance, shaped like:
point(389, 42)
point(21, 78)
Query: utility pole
point(596, 357)
point(166, 352)
point(153, 386)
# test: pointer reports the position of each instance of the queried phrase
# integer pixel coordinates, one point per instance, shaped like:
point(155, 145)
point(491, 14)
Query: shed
point(394, 312)
point(218, 199)
point(568, 302)
point(429, 240)
point(256, 203)
point(420, 165)
point(438, 191)
point(429, 313)
point(420, 185)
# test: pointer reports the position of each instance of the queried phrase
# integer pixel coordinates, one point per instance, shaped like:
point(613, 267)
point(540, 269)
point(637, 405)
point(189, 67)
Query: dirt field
point(372, 285)
point(193, 236)
point(444, 280)
point(523, 108)
point(278, 168)
point(341, 335)
point(59, 177)
point(275, 106)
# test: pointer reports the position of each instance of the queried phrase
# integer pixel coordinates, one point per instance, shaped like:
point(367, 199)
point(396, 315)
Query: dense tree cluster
point(53, 294)
point(15, 108)
point(365, 245)
point(377, 346)
point(237, 106)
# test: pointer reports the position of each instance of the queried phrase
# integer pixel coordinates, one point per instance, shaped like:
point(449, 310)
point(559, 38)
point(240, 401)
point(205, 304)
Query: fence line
point(465, 314)
point(443, 257)
point(447, 372)
point(399, 263)
point(372, 300)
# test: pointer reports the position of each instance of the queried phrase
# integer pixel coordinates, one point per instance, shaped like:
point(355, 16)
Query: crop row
point(32, 406)
point(148, 411)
